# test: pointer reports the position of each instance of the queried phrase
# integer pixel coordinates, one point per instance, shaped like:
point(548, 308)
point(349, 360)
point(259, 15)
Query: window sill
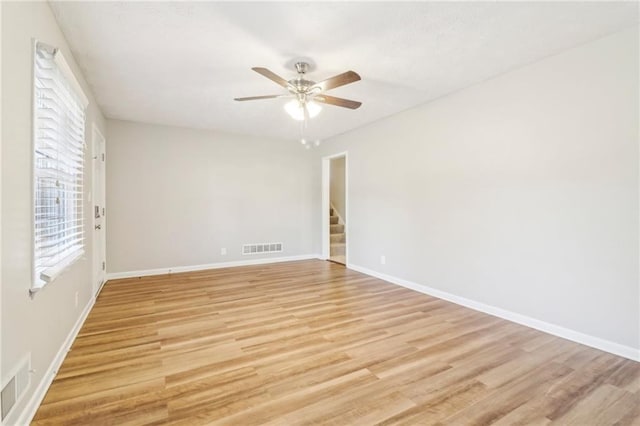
point(50, 274)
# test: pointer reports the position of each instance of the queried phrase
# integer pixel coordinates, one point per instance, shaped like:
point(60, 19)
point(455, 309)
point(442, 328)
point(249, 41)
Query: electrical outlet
point(76, 299)
point(383, 260)
point(223, 251)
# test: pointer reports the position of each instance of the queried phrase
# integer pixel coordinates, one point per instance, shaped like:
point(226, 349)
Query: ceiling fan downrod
point(302, 68)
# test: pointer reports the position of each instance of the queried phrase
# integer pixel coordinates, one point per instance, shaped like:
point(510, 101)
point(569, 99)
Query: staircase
point(338, 239)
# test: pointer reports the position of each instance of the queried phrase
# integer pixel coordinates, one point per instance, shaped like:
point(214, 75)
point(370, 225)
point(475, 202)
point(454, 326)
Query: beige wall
point(39, 325)
point(337, 186)
point(176, 196)
point(520, 192)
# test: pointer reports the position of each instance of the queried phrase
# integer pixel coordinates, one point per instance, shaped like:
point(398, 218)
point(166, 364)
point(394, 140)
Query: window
point(58, 165)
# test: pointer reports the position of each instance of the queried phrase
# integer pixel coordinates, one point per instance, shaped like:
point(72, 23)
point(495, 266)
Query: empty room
point(327, 213)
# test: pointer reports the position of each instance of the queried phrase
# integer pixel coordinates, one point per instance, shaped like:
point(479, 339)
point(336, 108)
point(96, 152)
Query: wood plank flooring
point(312, 342)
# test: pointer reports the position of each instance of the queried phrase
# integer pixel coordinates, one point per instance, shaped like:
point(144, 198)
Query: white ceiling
point(183, 63)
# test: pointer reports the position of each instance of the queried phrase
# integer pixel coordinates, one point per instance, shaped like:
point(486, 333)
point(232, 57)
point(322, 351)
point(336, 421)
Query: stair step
point(330, 212)
point(337, 229)
point(338, 249)
point(338, 238)
point(333, 220)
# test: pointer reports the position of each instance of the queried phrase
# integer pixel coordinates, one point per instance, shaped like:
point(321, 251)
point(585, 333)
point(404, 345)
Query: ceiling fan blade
point(255, 98)
point(272, 76)
point(341, 102)
point(337, 81)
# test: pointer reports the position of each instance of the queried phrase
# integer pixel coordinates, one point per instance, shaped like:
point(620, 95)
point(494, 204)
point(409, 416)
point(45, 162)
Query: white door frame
point(326, 203)
point(98, 150)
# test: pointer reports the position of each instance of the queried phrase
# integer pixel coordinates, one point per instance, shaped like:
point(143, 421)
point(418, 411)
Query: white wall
point(176, 196)
point(336, 186)
point(39, 325)
point(520, 192)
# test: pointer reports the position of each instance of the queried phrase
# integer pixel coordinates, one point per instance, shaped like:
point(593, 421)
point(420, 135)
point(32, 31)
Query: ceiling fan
point(307, 93)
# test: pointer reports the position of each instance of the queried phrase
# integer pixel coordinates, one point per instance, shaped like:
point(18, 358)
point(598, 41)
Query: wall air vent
point(15, 386)
point(261, 248)
point(9, 397)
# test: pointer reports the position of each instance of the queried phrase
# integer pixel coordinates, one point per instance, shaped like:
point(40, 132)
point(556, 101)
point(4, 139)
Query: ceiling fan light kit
point(307, 93)
point(296, 109)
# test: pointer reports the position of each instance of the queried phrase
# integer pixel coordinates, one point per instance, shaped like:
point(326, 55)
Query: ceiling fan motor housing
point(300, 86)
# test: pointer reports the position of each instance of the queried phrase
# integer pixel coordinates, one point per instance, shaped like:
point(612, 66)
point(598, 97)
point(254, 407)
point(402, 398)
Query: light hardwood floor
point(313, 343)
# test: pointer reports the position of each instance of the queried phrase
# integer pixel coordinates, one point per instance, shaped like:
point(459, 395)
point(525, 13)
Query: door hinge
point(103, 211)
point(104, 265)
point(102, 156)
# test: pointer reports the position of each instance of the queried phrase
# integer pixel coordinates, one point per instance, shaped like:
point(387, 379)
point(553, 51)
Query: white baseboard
point(566, 333)
point(191, 268)
point(30, 409)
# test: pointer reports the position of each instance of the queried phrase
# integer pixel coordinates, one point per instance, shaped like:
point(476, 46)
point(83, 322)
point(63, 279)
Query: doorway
point(335, 236)
point(98, 210)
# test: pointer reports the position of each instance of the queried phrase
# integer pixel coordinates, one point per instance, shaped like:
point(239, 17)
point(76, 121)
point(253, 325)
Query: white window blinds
point(59, 122)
